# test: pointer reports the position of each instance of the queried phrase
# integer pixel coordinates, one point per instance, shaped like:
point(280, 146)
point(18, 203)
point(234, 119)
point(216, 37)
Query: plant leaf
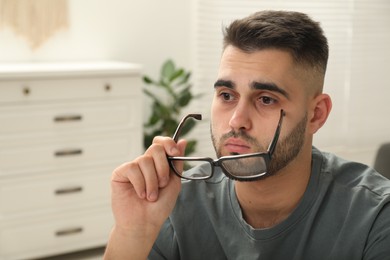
point(187, 127)
point(168, 88)
point(185, 99)
point(148, 80)
point(169, 126)
point(161, 110)
point(185, 78)
point(153, 120)
point(164, 113)
point(150, 94)
point(147, 140)
point(177, 74)
point(167, 69)
point(191, 147)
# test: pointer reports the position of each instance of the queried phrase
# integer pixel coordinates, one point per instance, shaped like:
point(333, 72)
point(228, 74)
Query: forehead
point(266, 66)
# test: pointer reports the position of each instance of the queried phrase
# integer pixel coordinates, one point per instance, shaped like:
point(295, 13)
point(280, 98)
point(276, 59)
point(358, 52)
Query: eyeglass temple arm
point(272, 146)
point(179, 127)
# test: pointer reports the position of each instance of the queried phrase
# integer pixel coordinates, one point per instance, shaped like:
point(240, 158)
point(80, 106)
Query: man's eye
point(267, 100)
point(226, 96)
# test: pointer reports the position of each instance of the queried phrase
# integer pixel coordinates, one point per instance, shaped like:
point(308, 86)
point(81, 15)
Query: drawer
point(68, 152)
point(70, 116)
point(56, 191)
point(41, 237)
point(69, 89)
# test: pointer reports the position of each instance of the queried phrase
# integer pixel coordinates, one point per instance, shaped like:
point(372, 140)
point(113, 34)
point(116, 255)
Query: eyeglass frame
point(267, 156)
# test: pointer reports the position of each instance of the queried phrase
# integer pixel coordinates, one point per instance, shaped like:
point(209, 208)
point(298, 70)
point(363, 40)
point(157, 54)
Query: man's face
point(250, 91)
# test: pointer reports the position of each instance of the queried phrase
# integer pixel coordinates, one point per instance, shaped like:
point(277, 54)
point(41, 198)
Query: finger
point(161, 147)
point(129, 173)
point(162, 168)
point(181, 145)
point(170, 146)
point(149, 172)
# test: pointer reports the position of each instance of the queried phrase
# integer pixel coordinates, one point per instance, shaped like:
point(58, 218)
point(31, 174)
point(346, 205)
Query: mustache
point(240, 134)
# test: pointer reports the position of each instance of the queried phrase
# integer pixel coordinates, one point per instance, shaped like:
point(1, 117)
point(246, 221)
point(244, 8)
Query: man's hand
point(143, 195)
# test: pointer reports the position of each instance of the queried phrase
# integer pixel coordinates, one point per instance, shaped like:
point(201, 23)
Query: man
point(286, 200)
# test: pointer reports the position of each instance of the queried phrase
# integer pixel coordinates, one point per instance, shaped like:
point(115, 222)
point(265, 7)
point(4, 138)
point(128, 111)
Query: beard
point(287, 149)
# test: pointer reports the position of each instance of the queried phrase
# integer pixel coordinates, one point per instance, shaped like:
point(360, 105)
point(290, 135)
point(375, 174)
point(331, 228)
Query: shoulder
point(355, 200)
point(352, 175)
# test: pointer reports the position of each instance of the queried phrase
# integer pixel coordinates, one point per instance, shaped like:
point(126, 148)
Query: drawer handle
point(70, 152)
point(26, 91)
point(69, 231)
point(69, 190)
point(69, 118)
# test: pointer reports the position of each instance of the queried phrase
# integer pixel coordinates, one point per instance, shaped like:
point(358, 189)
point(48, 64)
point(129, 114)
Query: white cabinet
point(63, 129)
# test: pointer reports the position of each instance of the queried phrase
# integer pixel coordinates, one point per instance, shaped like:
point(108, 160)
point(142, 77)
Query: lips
point(235, 145)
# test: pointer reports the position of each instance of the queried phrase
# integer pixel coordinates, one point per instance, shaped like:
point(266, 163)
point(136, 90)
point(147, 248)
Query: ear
point(320, 110)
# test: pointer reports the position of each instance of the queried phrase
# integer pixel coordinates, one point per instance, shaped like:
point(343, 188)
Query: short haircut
point(294, 32)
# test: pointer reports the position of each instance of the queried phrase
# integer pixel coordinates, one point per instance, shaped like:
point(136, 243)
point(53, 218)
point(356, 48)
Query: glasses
point(243, 167)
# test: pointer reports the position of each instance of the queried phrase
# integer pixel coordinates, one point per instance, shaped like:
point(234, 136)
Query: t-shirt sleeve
point(165, 246)
point(378, 244)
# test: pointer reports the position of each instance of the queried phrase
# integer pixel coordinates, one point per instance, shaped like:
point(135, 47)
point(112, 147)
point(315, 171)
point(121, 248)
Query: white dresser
point(63, 129)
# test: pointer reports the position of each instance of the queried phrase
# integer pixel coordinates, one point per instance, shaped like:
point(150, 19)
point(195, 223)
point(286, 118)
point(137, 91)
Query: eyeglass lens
point(236, 167)
point(203, 169)
point(245, 167)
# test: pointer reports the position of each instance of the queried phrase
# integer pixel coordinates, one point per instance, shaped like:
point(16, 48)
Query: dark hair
point(294, 32)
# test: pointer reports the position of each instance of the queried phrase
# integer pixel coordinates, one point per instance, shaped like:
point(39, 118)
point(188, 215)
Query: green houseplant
point(174, 84)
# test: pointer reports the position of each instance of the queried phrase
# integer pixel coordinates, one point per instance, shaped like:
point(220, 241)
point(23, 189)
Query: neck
point(266, 203)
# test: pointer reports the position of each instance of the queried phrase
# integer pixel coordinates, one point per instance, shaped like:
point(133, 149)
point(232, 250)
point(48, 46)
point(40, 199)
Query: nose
point(241, 118)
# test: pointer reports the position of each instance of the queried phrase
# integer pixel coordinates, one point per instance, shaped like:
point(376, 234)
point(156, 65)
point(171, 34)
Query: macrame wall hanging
point(35, 20)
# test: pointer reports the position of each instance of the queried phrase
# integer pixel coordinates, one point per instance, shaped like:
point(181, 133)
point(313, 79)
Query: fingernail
point(152, 196)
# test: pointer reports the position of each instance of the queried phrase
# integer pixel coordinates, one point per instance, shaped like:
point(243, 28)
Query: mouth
point(237, 146)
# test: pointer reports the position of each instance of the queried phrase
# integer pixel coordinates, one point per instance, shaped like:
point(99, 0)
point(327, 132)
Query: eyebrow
point(255, 85)
point(224, 83)
point(271, 87)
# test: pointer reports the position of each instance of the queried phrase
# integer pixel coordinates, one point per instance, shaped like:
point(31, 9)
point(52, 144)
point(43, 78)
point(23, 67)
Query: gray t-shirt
point(343, 215)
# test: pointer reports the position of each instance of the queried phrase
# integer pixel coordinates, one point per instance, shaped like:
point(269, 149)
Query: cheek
point(214, 130)
point(216, 121)
point(220, 120)
point(217, 129)
point(221, 111)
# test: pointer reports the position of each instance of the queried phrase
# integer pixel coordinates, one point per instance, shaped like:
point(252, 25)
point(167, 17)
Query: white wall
point(357, 80)
point(140, 31)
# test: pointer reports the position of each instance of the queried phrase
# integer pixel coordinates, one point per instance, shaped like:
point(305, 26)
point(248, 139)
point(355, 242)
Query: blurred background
point(189, 32)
